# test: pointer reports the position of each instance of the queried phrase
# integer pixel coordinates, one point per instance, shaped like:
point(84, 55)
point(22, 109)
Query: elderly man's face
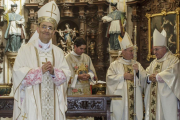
point(159, 51)
point(128, 53)
point(46, 31)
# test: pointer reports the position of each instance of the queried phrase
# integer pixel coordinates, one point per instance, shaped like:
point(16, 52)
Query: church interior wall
point(135, 14)
point(129, 22)
point(31, 26)
point(139, 18)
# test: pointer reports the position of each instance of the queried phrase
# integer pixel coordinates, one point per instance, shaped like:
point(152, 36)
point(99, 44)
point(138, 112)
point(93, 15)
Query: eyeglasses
point(157, 49)
point(44, 27)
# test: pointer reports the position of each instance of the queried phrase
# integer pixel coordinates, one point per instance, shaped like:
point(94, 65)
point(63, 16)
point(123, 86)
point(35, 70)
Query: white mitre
point(49, 13)
point(159, 39)
point(125, 42)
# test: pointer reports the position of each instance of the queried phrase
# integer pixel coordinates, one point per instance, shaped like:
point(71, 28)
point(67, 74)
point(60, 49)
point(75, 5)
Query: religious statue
point(115, 28)
point(15, 31)
point(67, 37)
point(74, 34)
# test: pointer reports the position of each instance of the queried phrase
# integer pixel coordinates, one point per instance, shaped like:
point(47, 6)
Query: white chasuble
point(163, 105)
point(117, 85)
point(43, 100)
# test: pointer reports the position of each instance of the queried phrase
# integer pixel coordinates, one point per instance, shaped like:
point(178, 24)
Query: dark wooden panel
point(90, 105)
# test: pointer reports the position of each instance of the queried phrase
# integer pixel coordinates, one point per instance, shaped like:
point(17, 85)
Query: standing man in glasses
point(41, 73)
point(163, 91)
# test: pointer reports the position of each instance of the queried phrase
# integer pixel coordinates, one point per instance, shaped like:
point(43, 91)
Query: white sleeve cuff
point(92, 77)
point(159, 79)
point(148, 81)
point(74, 81)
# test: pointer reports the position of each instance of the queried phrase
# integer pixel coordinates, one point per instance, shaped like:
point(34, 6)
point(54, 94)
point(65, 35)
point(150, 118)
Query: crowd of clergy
point(43, 77)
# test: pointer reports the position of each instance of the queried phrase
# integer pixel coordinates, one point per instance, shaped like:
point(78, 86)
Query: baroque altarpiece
point(150, 14)
point(84, 19)
point(78, 18)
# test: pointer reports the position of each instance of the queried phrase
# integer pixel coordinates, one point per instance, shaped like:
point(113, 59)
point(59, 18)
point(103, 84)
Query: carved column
point(100, 36)
point(32, 17)
point(99, 46)
point(135, 18)
point(82, 20)
point(33, 22)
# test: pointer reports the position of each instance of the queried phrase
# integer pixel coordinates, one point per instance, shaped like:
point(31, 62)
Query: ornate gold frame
point(163, 13)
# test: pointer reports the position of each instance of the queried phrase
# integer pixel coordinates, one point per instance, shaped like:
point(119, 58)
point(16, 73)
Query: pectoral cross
point(52, 10)
point(44, 62)
point(24, 117)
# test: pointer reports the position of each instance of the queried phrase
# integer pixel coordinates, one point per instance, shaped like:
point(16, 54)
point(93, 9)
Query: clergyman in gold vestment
point(82, 70)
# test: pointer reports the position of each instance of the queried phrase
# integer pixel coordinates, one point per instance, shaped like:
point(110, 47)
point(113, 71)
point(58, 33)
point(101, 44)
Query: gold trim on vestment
point(54, 85)
point(53, 5)
point(153, 94)
point(34, 97)
point(20, 84)
point(130, 92)
point(37, 56)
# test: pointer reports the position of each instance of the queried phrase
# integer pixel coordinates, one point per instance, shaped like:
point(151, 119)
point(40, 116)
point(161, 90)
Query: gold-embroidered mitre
point(49, 13)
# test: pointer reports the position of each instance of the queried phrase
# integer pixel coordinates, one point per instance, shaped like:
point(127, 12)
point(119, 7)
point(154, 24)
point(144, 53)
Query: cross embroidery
point(52, 10)
point(44, 62)
point(24, 117)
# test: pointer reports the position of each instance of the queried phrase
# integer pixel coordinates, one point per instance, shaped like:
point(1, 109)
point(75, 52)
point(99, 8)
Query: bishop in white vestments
point(120, 81)
point(163, 88)
point(41, 73)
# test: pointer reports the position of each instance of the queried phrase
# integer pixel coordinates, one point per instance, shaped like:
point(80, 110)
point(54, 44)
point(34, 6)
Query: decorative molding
point(6, 104)
point(135, 18)
point(2, 46)
point(85, 104)
point(144, 9)
point(100, 52)
point(81, 31)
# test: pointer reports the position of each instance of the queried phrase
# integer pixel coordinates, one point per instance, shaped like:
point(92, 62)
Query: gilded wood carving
point(169, 21)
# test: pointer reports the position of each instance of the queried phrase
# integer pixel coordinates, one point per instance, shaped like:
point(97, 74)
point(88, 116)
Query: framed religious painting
point(169, 21)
